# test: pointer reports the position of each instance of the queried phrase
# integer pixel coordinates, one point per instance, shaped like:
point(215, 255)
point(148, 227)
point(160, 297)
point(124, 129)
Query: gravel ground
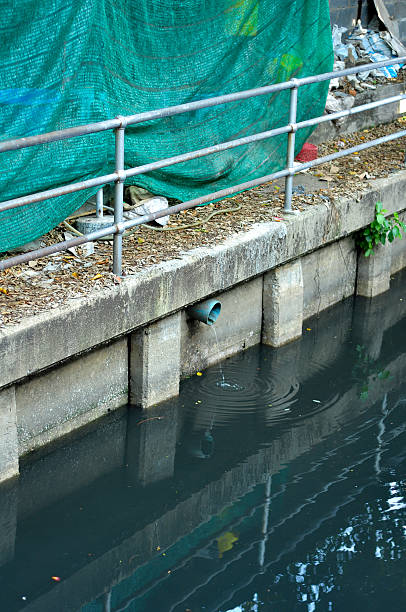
point(48, 283)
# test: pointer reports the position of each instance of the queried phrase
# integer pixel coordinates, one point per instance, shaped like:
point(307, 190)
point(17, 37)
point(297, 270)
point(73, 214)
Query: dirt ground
point(48, 283)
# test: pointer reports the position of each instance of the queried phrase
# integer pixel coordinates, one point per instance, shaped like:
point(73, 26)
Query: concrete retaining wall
point(77, 392)
point(329, 276)
point(398, 251)
point(344, 12)
point(144, 340)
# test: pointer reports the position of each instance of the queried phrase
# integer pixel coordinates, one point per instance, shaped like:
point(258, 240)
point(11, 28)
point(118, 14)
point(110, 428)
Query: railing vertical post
point(265, 522)
point(99, 203)
point(118, 202)
point(107, 601)
point(291, 148)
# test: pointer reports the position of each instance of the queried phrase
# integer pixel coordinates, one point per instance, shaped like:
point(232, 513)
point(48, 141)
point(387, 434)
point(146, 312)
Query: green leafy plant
point(380, 230)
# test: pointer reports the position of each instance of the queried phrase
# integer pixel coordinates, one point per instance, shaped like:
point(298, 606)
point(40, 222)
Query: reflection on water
point(276, 483)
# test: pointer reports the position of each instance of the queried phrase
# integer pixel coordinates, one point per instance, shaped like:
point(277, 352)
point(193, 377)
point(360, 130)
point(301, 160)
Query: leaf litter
point(50, 282)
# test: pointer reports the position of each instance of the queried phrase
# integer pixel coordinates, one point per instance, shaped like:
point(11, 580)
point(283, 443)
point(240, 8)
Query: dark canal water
point(276, 482)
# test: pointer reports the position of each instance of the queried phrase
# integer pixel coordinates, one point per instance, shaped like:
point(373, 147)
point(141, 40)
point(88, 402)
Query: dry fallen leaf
point(96, 277)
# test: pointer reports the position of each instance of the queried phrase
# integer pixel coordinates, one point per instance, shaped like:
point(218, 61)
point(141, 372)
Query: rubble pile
point(357, 47)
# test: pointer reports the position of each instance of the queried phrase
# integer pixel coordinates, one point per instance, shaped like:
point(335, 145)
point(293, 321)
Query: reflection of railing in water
point(120, 174)
point(309, 501)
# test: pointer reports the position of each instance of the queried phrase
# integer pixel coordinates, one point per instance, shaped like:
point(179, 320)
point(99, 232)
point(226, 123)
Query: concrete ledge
point(154, 362)
point(374, 272)
point(165, 288)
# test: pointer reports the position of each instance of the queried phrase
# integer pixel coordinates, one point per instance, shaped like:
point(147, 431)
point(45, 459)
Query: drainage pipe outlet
point(206, 312)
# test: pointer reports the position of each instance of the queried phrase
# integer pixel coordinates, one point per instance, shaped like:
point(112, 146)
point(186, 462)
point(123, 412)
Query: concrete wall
point(328, 276)
point(360, 121)
point(144, 340)
point(163, 289)
point(344, 12)
point(237, 328)
point(397, 12)
point(8, 434)
point(53, 404)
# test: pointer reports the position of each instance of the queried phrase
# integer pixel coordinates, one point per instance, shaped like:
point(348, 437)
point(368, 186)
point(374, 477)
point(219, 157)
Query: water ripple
point(223, 396)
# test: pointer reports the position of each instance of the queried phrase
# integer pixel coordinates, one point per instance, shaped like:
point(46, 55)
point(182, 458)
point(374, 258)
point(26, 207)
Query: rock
point(152, 205)
point(137, 195)
point(335, 105)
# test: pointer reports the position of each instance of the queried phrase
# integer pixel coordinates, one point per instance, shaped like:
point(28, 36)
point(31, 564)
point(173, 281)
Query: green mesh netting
point(70, 62)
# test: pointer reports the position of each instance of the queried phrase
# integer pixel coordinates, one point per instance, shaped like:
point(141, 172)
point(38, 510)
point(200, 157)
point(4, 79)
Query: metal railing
point(120, 174)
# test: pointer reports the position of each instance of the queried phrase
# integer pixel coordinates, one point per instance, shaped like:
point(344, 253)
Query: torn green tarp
point(70, 62)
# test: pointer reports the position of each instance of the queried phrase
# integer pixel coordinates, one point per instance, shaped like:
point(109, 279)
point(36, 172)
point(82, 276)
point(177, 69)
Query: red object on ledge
point(308, 153)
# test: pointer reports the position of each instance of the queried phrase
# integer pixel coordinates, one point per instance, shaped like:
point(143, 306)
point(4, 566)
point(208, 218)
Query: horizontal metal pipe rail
point(169, 161)
point(120, 175)
point(170, 111)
